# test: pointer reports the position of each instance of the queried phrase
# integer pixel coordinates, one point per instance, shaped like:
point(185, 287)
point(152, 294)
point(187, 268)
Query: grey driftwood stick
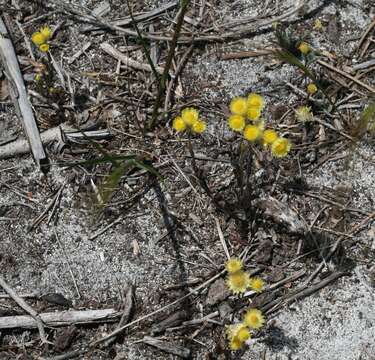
point(24, 305)
point(59, 134)
point(63, 318)
point(19, 96)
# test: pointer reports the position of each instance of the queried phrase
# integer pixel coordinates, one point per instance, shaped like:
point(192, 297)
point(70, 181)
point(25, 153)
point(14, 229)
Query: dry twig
point(5, 322)
point(20, 98)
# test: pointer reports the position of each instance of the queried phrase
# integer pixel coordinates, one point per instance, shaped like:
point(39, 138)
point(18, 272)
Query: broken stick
point(64, 318)
point(60, 134)
point(34, 316)
point(20, 99)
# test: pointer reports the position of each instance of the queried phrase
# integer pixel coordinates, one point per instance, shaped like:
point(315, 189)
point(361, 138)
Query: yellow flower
point(233, 265)
point(256, 284)
point(304, 48)
point(198, 127)
point(46, 32)
point(280, 147)
point(238, 106)
point(254, 319)
point(179, 124)
point(238, 282)
point(38, 38)
point(44, 47)
point(243, 334)
point(236, 122)
point(190, 116)
point(318, 25)
point(252, 132)
point(269, 137)
point(38, 77)
point(253, 113)
point(303, 113)
point(312, 89)
point(235, 344)
point(238, 331)
point(255, 101)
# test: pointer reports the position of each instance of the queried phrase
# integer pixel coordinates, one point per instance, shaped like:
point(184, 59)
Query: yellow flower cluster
point(239, 333)
point(245, 118)
point(40, 38)
point(239, 280)
point(189, 120)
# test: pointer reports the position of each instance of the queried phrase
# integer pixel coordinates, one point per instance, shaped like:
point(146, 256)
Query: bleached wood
point(19, 96)
point(58, 134)
point(63, 318)
point(128, 62)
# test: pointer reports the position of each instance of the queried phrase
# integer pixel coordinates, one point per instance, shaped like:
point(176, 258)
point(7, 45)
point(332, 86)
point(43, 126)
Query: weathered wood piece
point(127, 61)
point(20, 98)
point(64, 318)
point(167, 347)
point(60, 134)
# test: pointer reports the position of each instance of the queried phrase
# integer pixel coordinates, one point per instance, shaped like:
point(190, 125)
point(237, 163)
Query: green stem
point(144, 45)
point(180, 19)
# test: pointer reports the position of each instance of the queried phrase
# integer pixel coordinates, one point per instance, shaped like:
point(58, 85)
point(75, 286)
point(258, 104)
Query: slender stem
point(144, 45)
point(183, 8)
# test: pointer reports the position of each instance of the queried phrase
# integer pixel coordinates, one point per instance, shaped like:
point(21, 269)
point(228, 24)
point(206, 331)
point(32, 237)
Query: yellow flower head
point(252, 132)
point(235, 344)
point(46, 32)
point(236, 122)
point(318, 25)
point(238, 331)
point(254, 319)
point(280, 147)
point(238, 282)
point(38, 77)
point(38, 38)
point(256, 284)
point(269, 137)
point(255, 101)
point(179, 124)
point(190, 116)
point(253, 113)
point(304, 48)
point(303, 113)
point(243, 334)
point(238, 106)
point(312, 89)
point(233, 265)
point(44, 47)
point(198, 127)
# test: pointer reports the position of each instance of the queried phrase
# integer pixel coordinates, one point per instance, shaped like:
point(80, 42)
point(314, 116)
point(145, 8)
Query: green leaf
point(149, 168)
point(366, 122)
point(104, 159)
point(110, 184)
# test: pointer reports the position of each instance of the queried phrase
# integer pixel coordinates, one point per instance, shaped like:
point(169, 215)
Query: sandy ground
point(336, 323)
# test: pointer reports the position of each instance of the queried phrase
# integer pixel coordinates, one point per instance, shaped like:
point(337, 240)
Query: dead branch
point(34, 316)
point(60, 134)
point(19, 97)
point(167, 347)
point(128, 62)
point(63, 318)
point(128, 304)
